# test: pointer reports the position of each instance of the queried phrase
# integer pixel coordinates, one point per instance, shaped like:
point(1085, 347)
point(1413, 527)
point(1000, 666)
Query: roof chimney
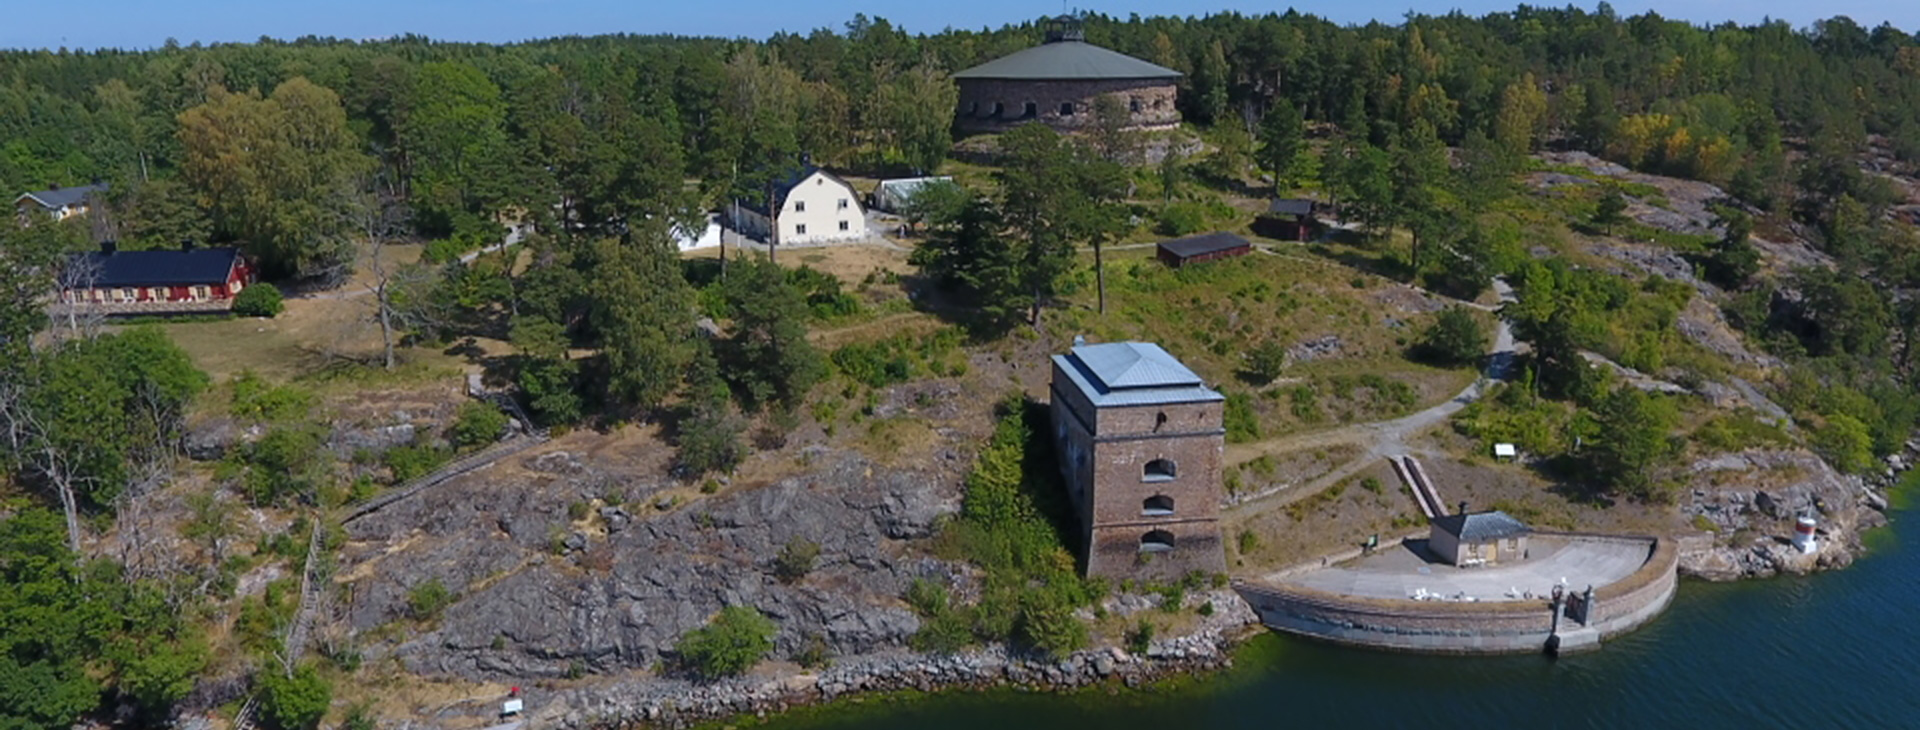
point(1079, 340)
point(186, 244)
point(1463, 506)
point(108, 247)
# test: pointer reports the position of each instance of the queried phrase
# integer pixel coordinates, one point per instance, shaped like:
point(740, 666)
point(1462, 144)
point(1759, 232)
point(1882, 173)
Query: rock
point(209, 439)
point(1316, 349)
point(556, 462)
point(576, 541)
point(616, 518)
point(347, 441)
point(1766, 504)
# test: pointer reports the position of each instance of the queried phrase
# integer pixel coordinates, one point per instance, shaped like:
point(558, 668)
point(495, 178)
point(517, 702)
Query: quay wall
point(1443, 627)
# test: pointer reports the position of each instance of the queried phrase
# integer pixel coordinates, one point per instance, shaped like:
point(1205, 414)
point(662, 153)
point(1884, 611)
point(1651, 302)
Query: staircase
point(1410, 471)
point(310, 588)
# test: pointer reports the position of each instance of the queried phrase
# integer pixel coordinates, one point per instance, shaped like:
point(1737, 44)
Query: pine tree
point(1281, 136)
point(643, 313)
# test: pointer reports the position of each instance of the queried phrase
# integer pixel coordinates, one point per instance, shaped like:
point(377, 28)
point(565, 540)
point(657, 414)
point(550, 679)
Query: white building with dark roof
point(808, 206)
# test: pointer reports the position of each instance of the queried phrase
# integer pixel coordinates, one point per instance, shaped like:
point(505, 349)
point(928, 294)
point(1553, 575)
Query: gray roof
point(166, 267)
point(1067, 59)
point(1291, 206)
point(785, 185)
point(1481, 526)
point(905, 187)
point(1203, 244)
point(1132, 374)
point(58, 198)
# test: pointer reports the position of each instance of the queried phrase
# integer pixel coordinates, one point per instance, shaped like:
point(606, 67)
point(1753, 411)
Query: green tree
point(279, 173)
point(546, 375)
point(259, 300)
point(1844, 441)
point(936, 204)
point(1054, 193)
point(1455, 338)
point(1282, 138)
point(1633, 442)
point(1267, 360)
point(730, 644)
point(1733, 260)
point(643, 315)
point(477, 424)
point(295, 702)
point(709, 438)
point(918, 117)
point(454, 140)
point(766, 352)
point(974, 257)
point(1610, 211)
point(1522, 118)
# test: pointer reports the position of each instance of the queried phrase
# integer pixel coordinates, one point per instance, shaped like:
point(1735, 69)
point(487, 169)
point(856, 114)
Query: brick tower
point(1140, 443)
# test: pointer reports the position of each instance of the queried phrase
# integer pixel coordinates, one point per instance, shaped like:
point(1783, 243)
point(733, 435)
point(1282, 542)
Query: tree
point(1054, 192)
point(975, 258)
point(767, 355)
point(1111, 131)
point(278, 173)
point(1282, 137)
point(1633, 442)
point(935, 204)
point(918, 117)
point(709, 438)
point(1267, 361)
point(1522, 118)
point(295, 702)
point(643, 316)
point(454, 141)
point(730, 644)
point(478, 424)
point(1364, 180)
point(1845, 442)
point(1733, 260)
point(1455, 338)
point(1610, 211)
point(30, 259)
point(546, 375)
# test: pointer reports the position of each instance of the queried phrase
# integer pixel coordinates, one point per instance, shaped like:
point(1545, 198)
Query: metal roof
point(1481, 526)
point(1204, 243)
point(58, 198)
point(1130, 374)
point(1067, 59)
point(1291, 206)
point(158, 268)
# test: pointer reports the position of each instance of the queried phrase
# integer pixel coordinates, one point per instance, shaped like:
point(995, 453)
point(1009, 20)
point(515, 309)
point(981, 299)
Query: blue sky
point(147, 23)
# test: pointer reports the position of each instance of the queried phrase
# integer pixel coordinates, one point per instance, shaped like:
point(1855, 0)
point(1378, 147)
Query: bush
point(259, 300)
point(478, 424)
point(1243, 425)
point(1140, 637)
point(427, 599)
point(1266, 361)
point(729, 645)
point(796, 560)
point(297, 702)
point(1182, 219)
point(1845, 443)
point(928, 597)
point(1455, 338)
point(412, 462)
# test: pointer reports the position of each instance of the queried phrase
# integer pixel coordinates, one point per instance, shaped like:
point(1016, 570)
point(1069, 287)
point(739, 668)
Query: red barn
point(1289, 219)
point(141, 282)
point(1204, 247)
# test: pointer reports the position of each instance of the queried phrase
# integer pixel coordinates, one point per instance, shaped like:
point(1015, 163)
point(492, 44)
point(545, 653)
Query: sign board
point(512, 707)
point(1504, 451)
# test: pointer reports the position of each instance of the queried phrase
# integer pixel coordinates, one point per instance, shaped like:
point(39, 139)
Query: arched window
point(1032, 110)
point(973, 108)
point(1133, 104)
point(998, 109)
point(1159, 470)
point(1157, 541)
point(1066, 109)
point(1159, 419)
point(1158, 505)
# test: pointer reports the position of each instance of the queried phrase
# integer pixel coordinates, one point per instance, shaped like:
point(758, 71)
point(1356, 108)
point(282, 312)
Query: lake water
point(1838, 649)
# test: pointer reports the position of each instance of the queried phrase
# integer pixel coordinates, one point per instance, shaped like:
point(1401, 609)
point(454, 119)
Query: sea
point(1839, 649)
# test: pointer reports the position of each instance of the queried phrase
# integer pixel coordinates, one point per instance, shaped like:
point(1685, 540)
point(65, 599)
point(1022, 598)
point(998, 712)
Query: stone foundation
point(996, 105)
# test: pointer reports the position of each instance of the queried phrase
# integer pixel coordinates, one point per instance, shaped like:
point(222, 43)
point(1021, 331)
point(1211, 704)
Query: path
point(515, 234)
point(1382, 439)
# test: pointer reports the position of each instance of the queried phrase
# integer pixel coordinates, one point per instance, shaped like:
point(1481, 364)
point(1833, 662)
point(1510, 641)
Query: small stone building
point(1140, 441)
point(1056, 83)
point(1478, 538)
point(1204, 247)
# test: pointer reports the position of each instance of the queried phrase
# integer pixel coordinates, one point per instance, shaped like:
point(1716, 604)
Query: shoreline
point(680, 703)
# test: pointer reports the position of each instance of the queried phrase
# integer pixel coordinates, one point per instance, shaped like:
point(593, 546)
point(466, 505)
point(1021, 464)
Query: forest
point(301, 151)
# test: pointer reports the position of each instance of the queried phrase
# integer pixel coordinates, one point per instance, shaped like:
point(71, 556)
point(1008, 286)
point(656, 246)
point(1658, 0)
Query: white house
point(894, 193)
point(809, 206)
point(60, 203)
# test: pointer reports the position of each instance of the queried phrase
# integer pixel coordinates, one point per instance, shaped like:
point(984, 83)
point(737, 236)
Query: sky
point(138, 24)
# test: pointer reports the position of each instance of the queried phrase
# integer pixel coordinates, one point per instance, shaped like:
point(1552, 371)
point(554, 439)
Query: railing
point(310, 589)
point(463, 465)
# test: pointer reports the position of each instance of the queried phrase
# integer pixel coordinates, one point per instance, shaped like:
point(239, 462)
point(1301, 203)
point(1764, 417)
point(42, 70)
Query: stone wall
point(1151, 102)
point(1469, 628)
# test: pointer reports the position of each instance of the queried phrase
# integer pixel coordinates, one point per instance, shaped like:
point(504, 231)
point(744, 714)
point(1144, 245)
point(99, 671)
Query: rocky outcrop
point(543, 594)
point(1750, 500)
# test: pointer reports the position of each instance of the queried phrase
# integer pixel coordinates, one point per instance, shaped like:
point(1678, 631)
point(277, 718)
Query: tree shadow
point(1570, 478)
point(1381, 264)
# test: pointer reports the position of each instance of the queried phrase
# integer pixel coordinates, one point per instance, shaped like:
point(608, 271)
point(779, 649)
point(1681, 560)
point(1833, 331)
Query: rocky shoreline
point(1746, 528)
point(680, 703)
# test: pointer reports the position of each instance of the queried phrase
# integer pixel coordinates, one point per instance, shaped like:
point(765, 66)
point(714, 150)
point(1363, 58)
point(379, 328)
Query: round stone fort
point(1057, 83)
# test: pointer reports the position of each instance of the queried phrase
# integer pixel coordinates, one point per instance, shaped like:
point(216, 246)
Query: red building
point(1204, 247)
point(1289, 219)
point(136, 281)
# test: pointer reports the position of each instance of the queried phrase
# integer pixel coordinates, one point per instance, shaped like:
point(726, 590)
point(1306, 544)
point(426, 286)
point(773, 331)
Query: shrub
point(1242, 423)
point(735, 640)
point(1140, 638)
point(927, 596)
point(412, 462)
point(1845, 443)
point(259, 300)
point(297, 702)
point(1249, 541)
point(1266, 361)
point(1455, 338)
point(796, 560)
point(944, 633)
point(427, 599)
point(477, 424)
point(1182, 219)
point(254, 397)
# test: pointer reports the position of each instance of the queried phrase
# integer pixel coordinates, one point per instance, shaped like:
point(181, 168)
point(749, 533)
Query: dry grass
point(1338, 517)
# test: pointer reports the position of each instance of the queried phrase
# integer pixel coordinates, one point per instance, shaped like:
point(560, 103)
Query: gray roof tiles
point(62, 197)
point(1130, 374)
point(1067, 59)
point(1481, 526)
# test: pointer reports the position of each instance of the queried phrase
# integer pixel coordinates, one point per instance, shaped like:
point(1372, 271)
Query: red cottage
point(156, 282)
point(1204, 247)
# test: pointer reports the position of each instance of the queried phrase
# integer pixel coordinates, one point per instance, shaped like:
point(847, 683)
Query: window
point(1159, 419)
point(843, 204)
point(1133, 104)
point(1066, 109)
point(128, 295)
point(1158, 470)
point(800, 229)
point(843, 225)
point(973, 109)
point(200, 292)
point(1157, 541)
point(799, 206)
point(999, 108)
point(1031, 111)
point(1158, 505)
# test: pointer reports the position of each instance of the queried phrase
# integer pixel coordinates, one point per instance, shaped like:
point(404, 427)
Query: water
point(1839, 649)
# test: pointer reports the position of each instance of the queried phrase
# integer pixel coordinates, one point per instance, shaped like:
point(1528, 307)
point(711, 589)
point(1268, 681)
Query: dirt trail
point(1381, 439)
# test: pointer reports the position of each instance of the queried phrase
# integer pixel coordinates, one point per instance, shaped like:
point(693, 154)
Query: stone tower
point(1140, 442)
